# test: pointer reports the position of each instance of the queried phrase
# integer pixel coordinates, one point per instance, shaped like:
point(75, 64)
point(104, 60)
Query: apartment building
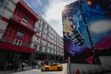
point(18, 29)
point(47, 43)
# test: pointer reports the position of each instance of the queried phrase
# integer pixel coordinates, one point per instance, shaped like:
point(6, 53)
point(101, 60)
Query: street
point(38, 71)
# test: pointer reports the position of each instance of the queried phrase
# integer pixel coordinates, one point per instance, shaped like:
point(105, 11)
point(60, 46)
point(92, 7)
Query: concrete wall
point(92, 68)
point(106, 62)
point(83, 68)
point(3, 26)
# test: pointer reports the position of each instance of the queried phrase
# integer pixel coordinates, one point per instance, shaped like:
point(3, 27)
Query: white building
point(47, 43)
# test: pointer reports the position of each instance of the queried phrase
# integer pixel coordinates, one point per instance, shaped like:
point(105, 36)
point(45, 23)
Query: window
point(50, 50)
point(40, 48)
point(3, 3)
point(37, 38)
point(35, 46)
point(45, 50)
point(54, 65)
point(25, 19)
point(20, 35)
point(17, 42)
point(1, 31)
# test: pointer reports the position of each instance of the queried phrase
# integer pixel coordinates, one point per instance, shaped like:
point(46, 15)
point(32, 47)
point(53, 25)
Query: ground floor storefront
point(13, 55)
point(7, 57)
point(50, 58)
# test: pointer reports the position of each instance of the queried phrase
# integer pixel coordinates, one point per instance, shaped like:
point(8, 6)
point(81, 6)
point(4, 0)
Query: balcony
point(27, 8)
point(22, 24)
point(15, 46)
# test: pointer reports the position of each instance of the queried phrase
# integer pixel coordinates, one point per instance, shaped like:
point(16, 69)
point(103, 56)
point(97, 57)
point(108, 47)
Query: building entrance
point(7, 57)
point(13, 57)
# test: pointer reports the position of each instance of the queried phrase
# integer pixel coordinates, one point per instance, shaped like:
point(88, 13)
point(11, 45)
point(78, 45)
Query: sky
point(51, 11)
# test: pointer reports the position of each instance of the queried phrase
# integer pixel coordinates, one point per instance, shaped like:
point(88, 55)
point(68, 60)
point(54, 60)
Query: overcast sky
point(51, 11)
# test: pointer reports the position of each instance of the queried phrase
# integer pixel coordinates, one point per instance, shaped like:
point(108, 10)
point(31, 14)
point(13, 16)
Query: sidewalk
point(5, 72)
point(19, 70)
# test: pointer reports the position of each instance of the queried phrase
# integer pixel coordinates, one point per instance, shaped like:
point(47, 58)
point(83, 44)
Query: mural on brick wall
point(76, 18)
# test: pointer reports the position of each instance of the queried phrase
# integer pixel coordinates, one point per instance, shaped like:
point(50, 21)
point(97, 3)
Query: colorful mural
point(83, 14)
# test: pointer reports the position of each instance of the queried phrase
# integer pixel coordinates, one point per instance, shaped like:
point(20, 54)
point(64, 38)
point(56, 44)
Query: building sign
point(76, 16)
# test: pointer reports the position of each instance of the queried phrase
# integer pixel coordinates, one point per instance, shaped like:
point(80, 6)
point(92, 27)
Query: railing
point(28, 25)
point(14, 42)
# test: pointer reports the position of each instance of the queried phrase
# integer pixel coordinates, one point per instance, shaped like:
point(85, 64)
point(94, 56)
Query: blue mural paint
point(98, 20)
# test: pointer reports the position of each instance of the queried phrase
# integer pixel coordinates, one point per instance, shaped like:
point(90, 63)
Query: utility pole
point(69, 65)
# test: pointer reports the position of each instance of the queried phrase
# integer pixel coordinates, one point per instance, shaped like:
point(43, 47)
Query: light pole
point(69, 65)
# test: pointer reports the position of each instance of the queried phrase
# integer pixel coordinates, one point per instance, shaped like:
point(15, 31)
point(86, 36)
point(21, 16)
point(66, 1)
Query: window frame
point(21, 37)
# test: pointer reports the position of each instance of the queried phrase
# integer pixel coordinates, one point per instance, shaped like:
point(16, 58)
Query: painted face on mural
point(68, 26)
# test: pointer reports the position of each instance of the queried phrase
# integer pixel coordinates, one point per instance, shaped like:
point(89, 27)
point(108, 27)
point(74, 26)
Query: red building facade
point(15, 43)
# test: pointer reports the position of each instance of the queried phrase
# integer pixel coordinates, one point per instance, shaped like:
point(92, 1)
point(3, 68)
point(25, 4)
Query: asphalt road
point(38, 71)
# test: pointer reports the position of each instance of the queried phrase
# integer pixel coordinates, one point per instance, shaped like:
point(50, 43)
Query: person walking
point(15, 66)
point(39, 64)
point(23, 65)
point(33, 64)
point(10, 67)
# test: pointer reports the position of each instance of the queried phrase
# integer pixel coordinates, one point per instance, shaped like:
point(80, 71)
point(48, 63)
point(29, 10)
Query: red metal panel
point(4, 19)
point(21, 26)
point(21, 10)
point(28, 8)
point(12, 32)
point(18, 16)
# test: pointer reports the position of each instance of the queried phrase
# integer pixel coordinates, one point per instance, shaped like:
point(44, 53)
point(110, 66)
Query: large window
point(20, 35)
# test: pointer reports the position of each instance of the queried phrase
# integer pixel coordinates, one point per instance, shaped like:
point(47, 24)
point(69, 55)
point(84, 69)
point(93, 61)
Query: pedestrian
point(39, 64)
point(42, 63)
point(35, 64)
point(10, 67)
point(23, 65)
point(32, 64)
point(15, 66)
